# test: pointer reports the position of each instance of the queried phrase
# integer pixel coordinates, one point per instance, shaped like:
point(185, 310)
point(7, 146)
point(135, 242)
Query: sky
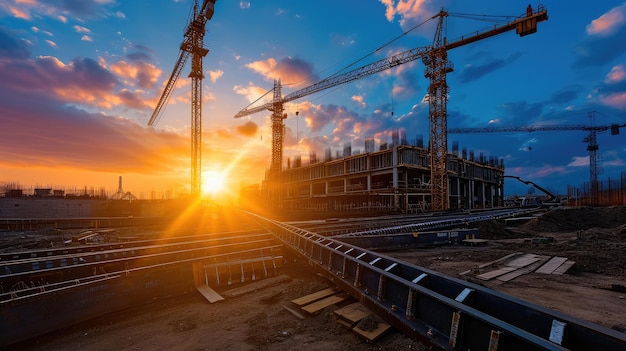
point(79, 80)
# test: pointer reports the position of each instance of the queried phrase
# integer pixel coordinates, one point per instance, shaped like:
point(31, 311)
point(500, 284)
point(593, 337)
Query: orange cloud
point(607, 23)
point(616, 100)
point(617, 74)
point(215, 75)
point(292, 71)
point(142, 74)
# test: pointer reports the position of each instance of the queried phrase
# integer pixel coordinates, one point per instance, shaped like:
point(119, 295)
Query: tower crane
point(435, 58)
point(193, 44)
point(591, 139)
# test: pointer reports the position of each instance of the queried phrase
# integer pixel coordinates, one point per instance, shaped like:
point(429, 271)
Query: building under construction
point(395, 178)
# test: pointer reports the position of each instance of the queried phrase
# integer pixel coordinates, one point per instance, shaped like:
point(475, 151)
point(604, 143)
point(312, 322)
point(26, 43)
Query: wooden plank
point(345, 323)
point(209, 294)
point(353, 313)
point(305, 300)
point(499, 260)
point(521, 271)
point(551, 265)
point(523, 261)
point(294, 312)
point(323, 303)
point(495, 273)
point(258, 285)
point(564, 267)
point(371, 328)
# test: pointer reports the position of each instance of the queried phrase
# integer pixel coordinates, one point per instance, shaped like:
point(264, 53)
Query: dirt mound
point(572, 219)
point(495, 230)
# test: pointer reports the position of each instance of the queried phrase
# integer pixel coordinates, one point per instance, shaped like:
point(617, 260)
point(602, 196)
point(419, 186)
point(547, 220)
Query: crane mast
point(193, 45)
point(435, 58)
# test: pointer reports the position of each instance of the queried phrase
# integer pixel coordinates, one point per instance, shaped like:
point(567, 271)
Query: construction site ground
point(266, 318)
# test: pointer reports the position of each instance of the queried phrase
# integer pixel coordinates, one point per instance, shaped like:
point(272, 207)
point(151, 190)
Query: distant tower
point(121, 195)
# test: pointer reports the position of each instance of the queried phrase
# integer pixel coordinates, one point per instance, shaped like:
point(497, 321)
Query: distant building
point(395, 178)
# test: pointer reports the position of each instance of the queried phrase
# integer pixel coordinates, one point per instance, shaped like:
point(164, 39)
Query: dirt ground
point(595, 238)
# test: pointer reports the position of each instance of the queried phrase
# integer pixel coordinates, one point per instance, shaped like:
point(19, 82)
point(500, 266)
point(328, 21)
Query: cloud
point(359, 100)
point(604, 41)
point(410, 12)
point(608, 23)
point(473, 72)
point(617, 74)
point(289, 70)
point(52, 44)
point(47, 134)
point(215, 75)
point(81, 29)
point(248, 129)
point(140, 74)
point(565, 96)
point(61, 9)
point(86, 38)
point(579, 161)
point(613, 90)
point(253, 92)
point(11, 48)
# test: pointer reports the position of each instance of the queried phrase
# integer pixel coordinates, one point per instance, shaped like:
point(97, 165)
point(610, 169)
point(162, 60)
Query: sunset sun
point(213, 182)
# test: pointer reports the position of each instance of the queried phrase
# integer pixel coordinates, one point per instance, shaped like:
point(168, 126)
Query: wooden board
point(323, 303)
point(551, 265)
point(353, 313)
point(259, 284)
point(524, 270)
point(523, 261)
point(564, 267)
point(305, 300)
point(499, 260)
point(372, 335)
point(495, 273)
point(209, 294)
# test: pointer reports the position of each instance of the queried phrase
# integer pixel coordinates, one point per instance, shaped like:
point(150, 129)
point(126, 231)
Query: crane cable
point(367, 55)
point(260, 97)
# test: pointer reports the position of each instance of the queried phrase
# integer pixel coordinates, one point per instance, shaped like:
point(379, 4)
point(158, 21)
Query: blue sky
point(80, 79)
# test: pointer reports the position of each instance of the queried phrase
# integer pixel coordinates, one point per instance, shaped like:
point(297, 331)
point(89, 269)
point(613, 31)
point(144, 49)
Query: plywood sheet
point(524, 270)
point(305, 300)
point(495, 273)
point(372, 330)
point(551, 265)
point(323, 303)
point(353, 313)
point(564, 267)
point(209, 294)
point(257, 285)
point(523, 261)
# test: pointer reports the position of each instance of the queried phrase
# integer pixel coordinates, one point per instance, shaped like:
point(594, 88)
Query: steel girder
point(445, 312)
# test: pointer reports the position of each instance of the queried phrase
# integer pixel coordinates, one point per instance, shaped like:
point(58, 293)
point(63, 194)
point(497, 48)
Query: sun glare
point(213, 182)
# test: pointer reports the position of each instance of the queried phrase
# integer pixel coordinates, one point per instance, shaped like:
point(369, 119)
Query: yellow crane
point(435, 58)
point(193, 45)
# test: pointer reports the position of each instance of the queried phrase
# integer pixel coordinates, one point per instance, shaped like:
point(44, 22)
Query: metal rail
point(447, 313)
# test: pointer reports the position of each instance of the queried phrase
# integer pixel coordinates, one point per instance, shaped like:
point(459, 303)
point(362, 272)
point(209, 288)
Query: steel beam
point(442, 311)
